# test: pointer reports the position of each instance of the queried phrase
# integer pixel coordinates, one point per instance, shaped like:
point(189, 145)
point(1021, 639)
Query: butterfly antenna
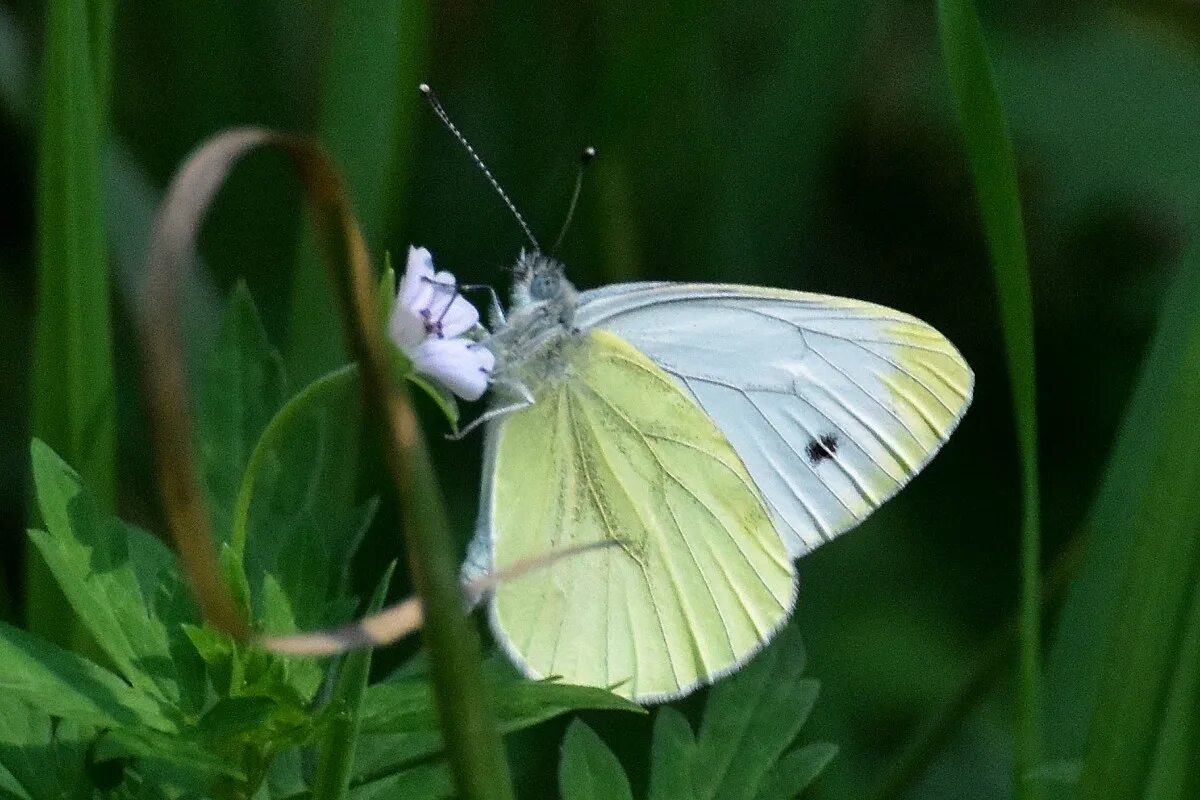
point(589, 154)
point(428, 94)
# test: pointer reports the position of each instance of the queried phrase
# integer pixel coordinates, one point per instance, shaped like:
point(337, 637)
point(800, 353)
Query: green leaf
point(302, 532)
point(65, 685)
point(38, 759)
point(236, 716)
point(275, 468)
point(796, 771)
point(400, 726)
point(73, 400)
point(337, 748)
point(109, 573)
point(588, 769)
point(304, 675)
point(442, 398)
point(176, 609)
point(260, 702)
point(182, 753)
point(990, 154)
point(243, 386)
point(519, 703)
point(375, 57)
point(672, 753)
point(422, 782)
point(751, 718)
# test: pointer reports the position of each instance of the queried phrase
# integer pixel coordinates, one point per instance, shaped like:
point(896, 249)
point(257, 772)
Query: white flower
point(428, 321)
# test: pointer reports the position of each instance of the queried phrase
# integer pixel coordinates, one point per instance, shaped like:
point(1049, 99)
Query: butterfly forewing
point(832, 404)
point(697, 578)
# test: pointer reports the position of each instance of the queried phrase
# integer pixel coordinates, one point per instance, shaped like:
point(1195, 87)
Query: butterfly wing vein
point(696, 580)
point(833, 404)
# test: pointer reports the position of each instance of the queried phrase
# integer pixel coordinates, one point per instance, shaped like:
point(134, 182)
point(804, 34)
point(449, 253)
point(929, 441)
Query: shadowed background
point(802, 145)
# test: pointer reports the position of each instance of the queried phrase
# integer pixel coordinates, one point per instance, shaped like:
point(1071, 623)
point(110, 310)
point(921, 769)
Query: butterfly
point(687, 442)
point(712, 433)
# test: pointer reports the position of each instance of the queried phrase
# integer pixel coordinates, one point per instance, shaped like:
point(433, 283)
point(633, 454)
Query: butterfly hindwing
point(697, 578)
point(832, 404)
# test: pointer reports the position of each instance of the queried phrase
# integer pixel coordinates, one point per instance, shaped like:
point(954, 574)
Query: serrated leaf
point(293, 516)
point(304, 675)
point(407, 705)
point(588, 769)
point(751, 718)
point(400, 725)
point(422, 782)
point(175, 607)
point(259, 700)
point(183, 753)
point(243, 386)
point(108, 572)
point(275, 468)
point(69, 686)
point(672, 752)
point(796, 771)
point(236, 716)
point(37, 759)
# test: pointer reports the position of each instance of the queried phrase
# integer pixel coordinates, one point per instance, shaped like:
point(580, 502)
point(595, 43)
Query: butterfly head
point(539, 282)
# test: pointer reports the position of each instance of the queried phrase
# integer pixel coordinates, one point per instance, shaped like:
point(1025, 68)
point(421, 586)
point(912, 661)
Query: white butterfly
point(708, 435)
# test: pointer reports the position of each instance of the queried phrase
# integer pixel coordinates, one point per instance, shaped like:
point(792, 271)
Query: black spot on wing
point(821, 448)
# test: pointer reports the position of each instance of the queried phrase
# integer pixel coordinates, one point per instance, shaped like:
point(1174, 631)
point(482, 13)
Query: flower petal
point(462, 366)
point(450, 314)
point(415, 289)
point(406, 328)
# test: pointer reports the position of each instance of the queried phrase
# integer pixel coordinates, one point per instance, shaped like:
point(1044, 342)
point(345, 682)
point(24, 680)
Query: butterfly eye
point(543, 286)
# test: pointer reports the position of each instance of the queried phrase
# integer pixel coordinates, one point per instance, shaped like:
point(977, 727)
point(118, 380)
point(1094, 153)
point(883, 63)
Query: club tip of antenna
point(588, 154)
point(424, 89)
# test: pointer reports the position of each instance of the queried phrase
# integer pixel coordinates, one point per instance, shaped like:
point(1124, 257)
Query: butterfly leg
point(524, 399)
point(495, 310)
point(453, 290)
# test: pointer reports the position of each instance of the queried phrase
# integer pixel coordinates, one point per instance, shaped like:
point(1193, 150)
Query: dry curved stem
point(172, 253)
point(400, 619)
point(476, 755)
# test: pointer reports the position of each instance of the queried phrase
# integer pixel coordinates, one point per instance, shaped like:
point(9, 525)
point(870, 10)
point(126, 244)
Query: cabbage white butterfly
point(715, 432)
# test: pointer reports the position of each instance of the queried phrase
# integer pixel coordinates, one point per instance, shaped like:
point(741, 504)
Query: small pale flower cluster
point(429, 320)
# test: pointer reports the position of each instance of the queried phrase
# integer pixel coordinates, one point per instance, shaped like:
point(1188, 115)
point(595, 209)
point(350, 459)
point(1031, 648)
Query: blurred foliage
point(807, 145)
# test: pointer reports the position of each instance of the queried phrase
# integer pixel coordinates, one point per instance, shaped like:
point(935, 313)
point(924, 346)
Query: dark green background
point(805, 145)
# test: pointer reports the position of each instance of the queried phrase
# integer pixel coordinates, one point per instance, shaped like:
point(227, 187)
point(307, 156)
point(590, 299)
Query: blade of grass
point(474, 746)
point(101, 24)
point(332, 780)
point(989, 668)
point(130, 195)
point(990, 154)
point(1133, 746)
point(1074, 664)
point(73, 406)
point(375, 58)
